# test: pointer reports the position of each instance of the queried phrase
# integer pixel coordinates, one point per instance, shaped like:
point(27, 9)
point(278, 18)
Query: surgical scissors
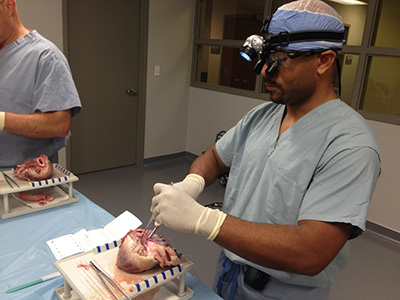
point(105, 278)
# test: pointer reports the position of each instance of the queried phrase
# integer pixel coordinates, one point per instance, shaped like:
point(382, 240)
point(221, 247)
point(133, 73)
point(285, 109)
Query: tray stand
point(61, 181)
point(81, 282)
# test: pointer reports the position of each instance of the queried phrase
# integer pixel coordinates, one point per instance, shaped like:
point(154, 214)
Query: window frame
point(366, 51)
point(223, 43)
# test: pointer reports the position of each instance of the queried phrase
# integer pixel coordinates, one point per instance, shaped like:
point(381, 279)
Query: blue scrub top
point(34, 76)
point(324, 167)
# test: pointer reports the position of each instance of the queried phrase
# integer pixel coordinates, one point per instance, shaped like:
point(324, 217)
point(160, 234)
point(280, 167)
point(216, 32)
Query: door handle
point(131, 92)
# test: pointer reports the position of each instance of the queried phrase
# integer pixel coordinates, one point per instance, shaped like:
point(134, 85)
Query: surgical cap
point(307, 15)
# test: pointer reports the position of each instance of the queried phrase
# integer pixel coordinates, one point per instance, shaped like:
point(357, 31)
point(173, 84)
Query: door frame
point(142, 75)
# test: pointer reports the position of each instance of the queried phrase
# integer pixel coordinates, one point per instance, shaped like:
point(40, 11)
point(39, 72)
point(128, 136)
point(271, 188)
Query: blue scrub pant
point(229, 282)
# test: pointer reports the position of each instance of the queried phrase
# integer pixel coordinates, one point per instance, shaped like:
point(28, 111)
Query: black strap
point(284, 37)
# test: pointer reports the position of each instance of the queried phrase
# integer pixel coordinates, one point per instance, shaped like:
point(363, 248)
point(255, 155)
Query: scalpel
point(42, 279)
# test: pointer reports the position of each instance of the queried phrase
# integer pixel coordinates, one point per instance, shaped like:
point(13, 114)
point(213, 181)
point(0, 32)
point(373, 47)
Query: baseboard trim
point(162, 158)
point(383, 231)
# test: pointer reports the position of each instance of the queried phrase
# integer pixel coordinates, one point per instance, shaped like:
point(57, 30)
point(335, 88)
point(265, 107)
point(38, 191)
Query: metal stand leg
point(70, 190)
point(182, 286)
point(5, 201)
point(67, 290)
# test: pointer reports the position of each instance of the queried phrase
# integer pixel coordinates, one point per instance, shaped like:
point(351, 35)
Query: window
point(382, 93)
point(223, 25)
point(375, 86)
point(370, 59)
point(380, 97)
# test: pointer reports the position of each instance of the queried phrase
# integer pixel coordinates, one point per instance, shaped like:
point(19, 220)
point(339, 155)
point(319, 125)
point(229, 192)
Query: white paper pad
point(82, 241)
point(65, 246)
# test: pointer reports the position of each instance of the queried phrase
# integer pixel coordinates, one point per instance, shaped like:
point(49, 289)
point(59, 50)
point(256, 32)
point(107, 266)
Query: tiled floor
point(372, 274)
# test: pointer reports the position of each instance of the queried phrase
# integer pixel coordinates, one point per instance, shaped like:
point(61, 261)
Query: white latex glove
point(2, 119)
point(175, 209)
point(193, 185)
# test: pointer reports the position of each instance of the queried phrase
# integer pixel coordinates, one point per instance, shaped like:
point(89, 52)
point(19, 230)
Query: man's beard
point(290, 97)
point(276, 95)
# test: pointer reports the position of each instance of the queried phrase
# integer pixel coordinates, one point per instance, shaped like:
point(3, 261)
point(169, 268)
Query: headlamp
point(262, 45)
point(251, 47)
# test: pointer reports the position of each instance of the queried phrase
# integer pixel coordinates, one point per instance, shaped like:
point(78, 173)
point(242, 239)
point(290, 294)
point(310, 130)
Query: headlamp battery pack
point(256, 278)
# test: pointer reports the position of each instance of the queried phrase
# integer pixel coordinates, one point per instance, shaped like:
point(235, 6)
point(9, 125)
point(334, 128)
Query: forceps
point(148, 232)
point(150, 229)
point(105, 278)
point(9, 180)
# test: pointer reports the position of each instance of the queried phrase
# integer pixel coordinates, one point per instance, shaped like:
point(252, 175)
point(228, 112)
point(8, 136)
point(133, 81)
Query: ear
point(11, 6)
point(326, 61)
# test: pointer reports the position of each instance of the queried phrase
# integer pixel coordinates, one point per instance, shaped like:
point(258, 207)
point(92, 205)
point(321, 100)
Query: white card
point(82, 241)
point(121, 225)
point(64, 246)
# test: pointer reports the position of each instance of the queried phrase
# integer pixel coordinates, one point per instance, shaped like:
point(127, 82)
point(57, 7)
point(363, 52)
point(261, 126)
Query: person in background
point(302, 170)
point(37, 94)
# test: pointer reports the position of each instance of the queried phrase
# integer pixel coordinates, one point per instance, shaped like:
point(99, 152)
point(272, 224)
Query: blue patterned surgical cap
point(307, 15)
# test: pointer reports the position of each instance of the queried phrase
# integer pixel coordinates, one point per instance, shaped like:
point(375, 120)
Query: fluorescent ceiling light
point(350, 2)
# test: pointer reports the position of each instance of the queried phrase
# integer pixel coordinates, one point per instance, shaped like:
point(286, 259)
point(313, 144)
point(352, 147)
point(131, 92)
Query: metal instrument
point(150, 229)
point(106, 280)
point(214, 205)
point(9, 180)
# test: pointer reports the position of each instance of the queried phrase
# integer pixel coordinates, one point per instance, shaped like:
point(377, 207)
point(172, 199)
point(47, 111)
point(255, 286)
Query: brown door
point(103, 51)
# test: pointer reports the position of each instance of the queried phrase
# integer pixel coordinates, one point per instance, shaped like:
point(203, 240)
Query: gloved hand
point(2, 119)
point(193, 185)
point(175, 209)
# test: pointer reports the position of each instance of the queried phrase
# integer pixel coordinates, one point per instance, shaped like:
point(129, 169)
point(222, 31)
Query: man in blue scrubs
point(302, 170)
point(37, 94)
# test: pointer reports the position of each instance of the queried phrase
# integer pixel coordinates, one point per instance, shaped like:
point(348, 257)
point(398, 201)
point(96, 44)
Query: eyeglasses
point(275, 57)
point(282, 55)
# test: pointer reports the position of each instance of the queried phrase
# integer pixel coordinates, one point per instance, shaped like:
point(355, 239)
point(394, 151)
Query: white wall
point(45, 16)
point(385, 206)
point(209, 113)
point(170, 47)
